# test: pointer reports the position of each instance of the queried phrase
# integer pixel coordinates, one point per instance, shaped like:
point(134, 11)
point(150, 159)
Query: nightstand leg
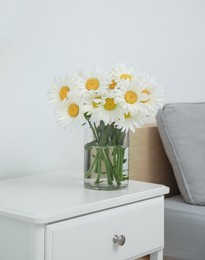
point(157, 255)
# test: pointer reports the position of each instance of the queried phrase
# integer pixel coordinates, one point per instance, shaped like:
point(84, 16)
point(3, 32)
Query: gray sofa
point(182, 130)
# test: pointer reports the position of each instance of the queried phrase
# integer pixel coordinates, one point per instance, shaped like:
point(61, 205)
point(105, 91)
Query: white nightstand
point(53, 217)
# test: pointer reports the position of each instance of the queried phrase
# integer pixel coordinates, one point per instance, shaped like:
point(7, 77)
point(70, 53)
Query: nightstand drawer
point(91, 236)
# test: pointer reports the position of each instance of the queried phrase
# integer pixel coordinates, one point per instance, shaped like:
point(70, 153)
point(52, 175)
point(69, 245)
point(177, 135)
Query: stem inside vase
point(106, 157)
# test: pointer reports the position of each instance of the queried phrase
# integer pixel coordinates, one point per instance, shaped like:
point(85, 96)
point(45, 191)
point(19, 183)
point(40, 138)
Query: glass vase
point(106, 154)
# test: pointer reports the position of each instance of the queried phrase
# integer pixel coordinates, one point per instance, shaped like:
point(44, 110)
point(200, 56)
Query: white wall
point(40, 39)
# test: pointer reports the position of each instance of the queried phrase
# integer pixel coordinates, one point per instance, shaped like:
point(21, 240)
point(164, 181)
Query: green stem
point(97, 135)
point(108, 167)
point(117, 167)
point(119, 164)
point(110, 162)
point(93, 129)
point(89, 172)
point(98, 168)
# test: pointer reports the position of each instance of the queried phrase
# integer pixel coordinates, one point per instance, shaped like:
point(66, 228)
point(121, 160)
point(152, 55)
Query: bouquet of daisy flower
point(110, 104)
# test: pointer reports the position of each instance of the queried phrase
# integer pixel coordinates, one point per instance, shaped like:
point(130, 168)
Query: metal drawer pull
point(120, 240)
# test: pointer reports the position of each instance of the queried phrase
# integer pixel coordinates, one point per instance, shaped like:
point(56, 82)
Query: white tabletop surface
point(47, 198)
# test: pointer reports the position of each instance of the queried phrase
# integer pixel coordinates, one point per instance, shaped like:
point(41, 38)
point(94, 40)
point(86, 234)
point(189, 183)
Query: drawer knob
point(119, 240)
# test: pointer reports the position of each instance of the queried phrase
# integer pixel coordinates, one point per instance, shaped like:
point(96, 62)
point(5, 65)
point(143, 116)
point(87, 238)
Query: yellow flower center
point(92, 84)
point(127, 115)
point(63, 92)
point(96, 104)
point(131, 97)
point(109, 104)
point(125, 76)
point(146, 91)
point(112, 85)
point(73, 110)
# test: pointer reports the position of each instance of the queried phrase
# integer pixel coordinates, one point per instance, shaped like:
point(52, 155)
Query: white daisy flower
point(129, 95)
point(60, 90)
point(91, 101)
point(71, 113)
point(107, 110)
point(120, 72)
point(154, 92)
point(130, 121)
point(92, 81)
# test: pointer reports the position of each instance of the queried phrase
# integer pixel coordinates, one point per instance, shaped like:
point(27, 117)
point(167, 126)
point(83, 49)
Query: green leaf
point(91, 144)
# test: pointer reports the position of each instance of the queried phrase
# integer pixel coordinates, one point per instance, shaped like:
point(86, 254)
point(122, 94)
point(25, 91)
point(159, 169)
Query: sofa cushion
point(182, 130)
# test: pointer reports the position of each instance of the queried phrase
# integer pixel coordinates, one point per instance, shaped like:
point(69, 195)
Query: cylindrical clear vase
point(106, 154)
